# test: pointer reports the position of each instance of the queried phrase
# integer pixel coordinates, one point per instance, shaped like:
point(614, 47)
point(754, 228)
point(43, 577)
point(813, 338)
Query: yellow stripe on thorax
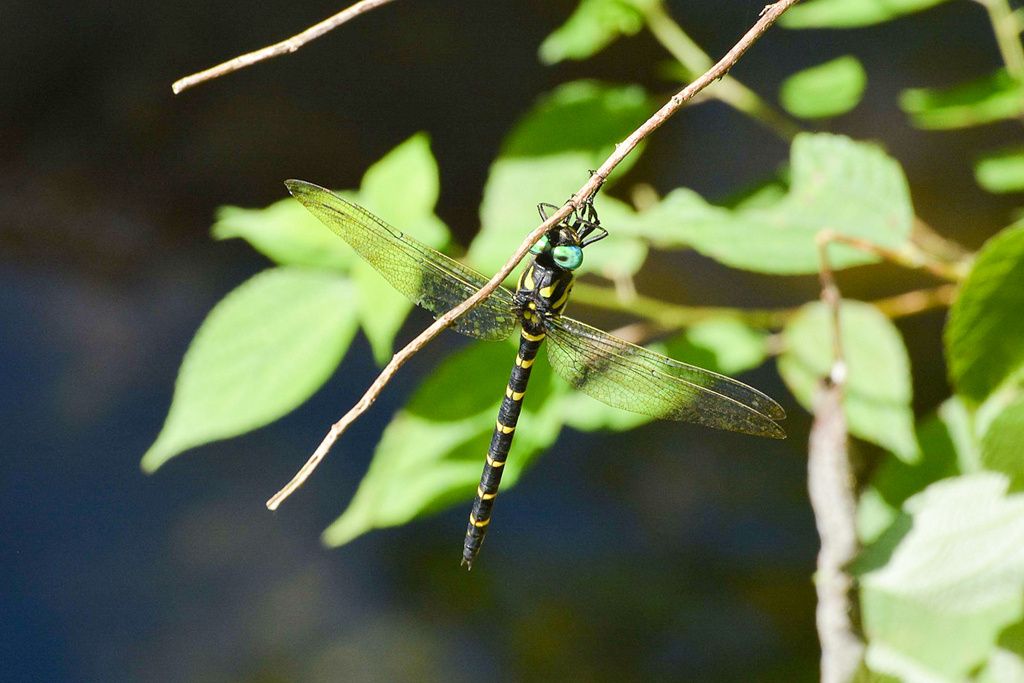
point(528, 282)
point(562, 299)
point(532, 337)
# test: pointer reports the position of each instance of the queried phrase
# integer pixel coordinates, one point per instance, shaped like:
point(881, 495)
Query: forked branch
point(768, 17)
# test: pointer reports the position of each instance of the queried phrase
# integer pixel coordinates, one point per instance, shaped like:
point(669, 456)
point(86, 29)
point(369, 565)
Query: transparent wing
point(630, 377)
point(427, 277)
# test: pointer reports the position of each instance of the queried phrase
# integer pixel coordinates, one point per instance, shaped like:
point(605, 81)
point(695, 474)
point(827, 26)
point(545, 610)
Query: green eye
point(541, 246)
point(568, 257)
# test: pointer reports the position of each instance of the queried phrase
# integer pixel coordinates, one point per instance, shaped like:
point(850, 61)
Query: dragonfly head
point(560, 247)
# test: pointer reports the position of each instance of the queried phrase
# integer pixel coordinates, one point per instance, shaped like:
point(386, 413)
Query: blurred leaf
point(995, 97)
point(432, 452)
point(380, 308)
point(593, 26)
point(764, 194)
point(895, 481)
point(404, 184)
point(850, 13)
point(619, 254)
point(937, 589)
point(959, 422)
point(261, 352)
point(1002, 447)
point(725, 345)
point(850, 187)
point(828, 89)
point(286, 233)
point(1006, 663)
point(1001, 171)
point(402, 188)
point(985, 330)
point(546, 158)
point(878, 387)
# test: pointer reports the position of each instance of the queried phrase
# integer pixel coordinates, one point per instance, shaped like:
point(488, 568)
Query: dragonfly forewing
point(630, 377)
point(427, 277)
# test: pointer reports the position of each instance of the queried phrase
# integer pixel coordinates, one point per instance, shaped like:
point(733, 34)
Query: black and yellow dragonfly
point(607, 368)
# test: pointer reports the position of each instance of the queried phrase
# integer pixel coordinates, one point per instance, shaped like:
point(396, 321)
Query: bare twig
point(831, 297)
point(663, 316)
point(940, 246)
point(284, 47)
point(910, 256)
point(694, 60)
point(916, 301)
point(830, 482)
point(1005, 26)
point(768, 17)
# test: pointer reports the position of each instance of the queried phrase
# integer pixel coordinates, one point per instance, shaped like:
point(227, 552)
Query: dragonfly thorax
point(542, 293)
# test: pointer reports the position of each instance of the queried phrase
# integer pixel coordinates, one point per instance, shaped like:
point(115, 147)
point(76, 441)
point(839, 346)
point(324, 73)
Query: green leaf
point(432, 452)
point(937, 589)
point(1006, 663)
point(1001, 171)
point(895, 481)
point(404, 185)
point(850, 13)
point(878, 387)
point(825, 90)
point(592, 27)
point(995, 97)
point(984, 334)
point(286, 233)
point(850, 187)
point(723, 345)
point(546, 158)
point(402, 188)
point(261, 352)
point(1002, 447)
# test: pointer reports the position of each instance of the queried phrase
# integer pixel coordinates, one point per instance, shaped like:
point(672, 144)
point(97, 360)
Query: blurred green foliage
point(878, 386)
point(941, 579)
point(1001, 171)
point(825, 90)
point(995, 97)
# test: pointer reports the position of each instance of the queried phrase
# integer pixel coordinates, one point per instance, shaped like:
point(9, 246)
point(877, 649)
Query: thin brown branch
point(941, 247)
point(830, 483)
point(663, 316)
point(916, 301)
point(768, 17)
point(831, 490)
point(910, 256)
point(831, 298)
point(284, 47)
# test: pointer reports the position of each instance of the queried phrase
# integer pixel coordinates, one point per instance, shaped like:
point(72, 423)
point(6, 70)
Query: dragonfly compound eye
point(541, 246)
point(569, 257)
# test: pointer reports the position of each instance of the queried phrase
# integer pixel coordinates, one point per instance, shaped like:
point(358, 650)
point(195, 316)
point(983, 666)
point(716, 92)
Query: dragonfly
point(612, 370)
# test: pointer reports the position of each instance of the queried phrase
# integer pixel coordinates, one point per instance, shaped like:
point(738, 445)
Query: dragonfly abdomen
point(501, 442)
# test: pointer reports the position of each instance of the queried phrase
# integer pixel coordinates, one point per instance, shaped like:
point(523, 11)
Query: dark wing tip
point(775, 411)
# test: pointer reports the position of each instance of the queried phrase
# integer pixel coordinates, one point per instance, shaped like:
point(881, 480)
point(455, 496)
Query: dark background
point(674, 554)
